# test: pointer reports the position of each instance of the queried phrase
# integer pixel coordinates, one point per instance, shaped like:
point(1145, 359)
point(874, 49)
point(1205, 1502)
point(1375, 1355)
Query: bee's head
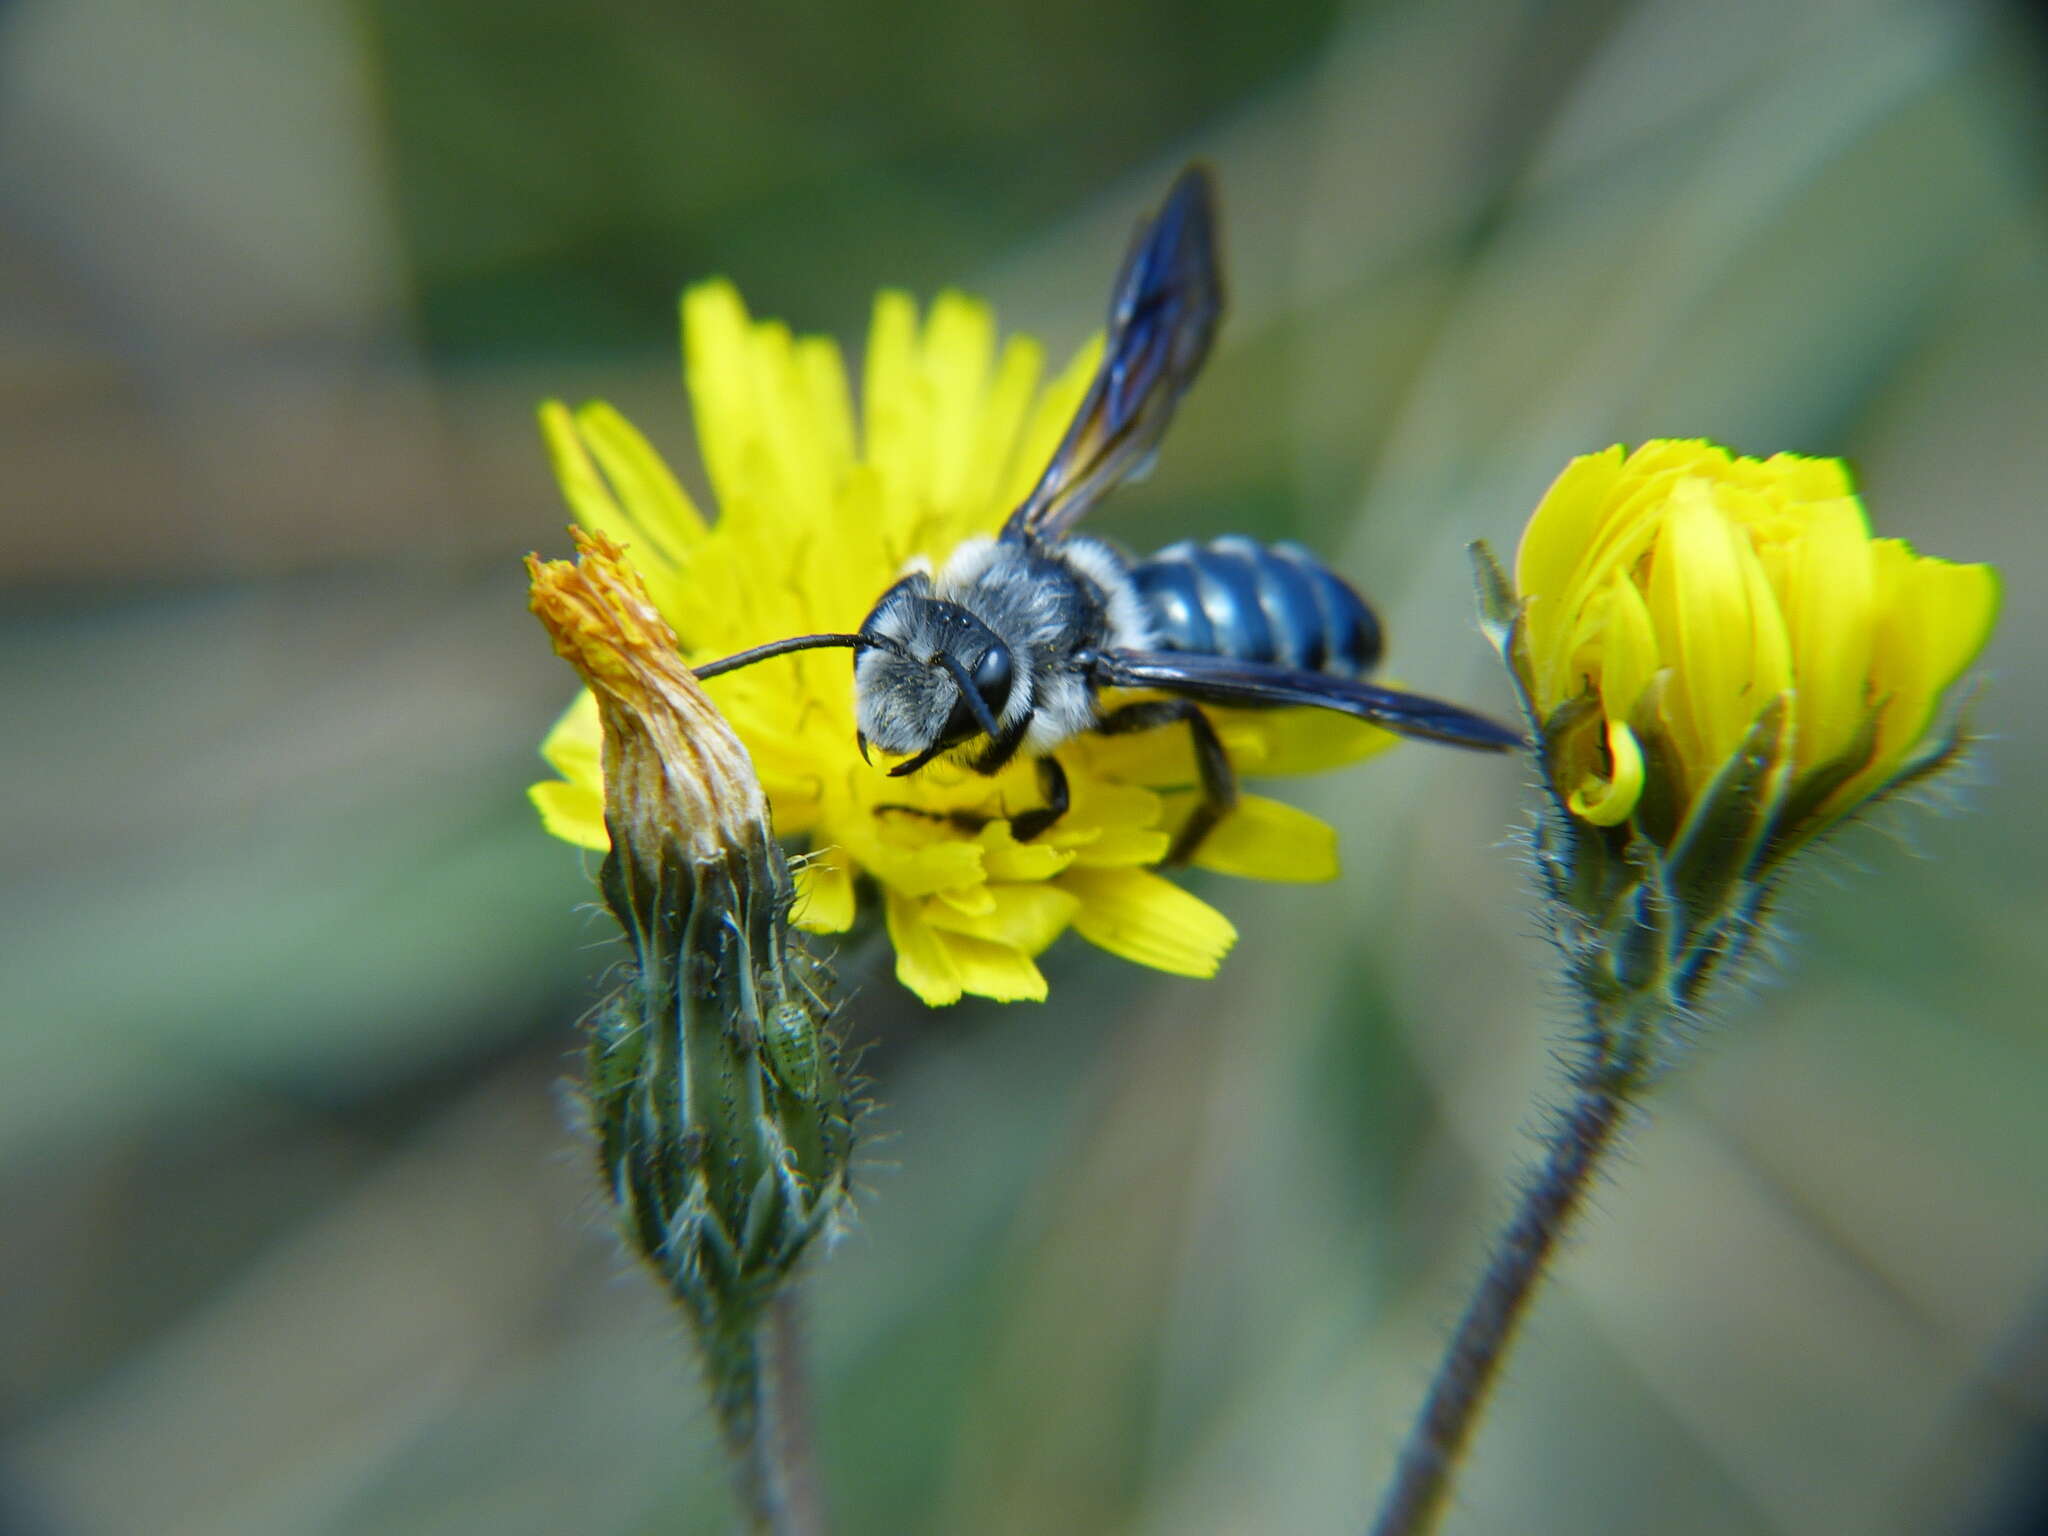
point(929, 676)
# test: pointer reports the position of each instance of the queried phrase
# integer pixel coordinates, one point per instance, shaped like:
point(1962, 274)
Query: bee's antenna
point(747, 658)
point(976, 704)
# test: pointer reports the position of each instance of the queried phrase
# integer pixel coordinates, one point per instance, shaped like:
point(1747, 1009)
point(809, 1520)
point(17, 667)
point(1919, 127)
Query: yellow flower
point(1673, 594)
point(818, 512)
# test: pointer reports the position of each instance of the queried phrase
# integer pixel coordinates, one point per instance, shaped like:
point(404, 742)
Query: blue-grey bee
point(1008, 648)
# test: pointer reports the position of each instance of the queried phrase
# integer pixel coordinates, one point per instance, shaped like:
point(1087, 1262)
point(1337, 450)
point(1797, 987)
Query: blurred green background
point(298, 1238)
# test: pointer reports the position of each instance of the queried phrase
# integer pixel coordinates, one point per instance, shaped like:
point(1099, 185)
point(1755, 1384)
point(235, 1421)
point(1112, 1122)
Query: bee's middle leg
point(1052, 783)
point(1212, 763)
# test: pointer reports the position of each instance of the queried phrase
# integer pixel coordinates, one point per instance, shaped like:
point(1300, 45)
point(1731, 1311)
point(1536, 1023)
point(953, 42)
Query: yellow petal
point(1048, 423)
point(959, 345)
point(1025, 917)
point(935, 866)
point(1934, 618)
point(574, 743)
point(991, 970)
point(1699, 600)
point(1607, 803)
point(589, 498)
point(1770, 660)
point(1004, 858)
point(1559, 534)
point(1110, 824)
point(661, 513)
point(822, 372)
point(1797, 478)
point(719, 372)
point(1295, 741)
point(1101, 803)
point(1136, 914)
point(893, 406)
point(1000, 430)
point(1629, 650)
point(1120, 847)
point(1828, 592)
point(572, 812)
point(1164, 757)
point(924, 961)
point(824, 892)
point(846, 564)
point(961, 901)
point(1263, 839)
point(793, 446)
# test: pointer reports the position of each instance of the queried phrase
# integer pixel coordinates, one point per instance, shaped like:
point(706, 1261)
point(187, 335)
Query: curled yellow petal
point(1607, 802)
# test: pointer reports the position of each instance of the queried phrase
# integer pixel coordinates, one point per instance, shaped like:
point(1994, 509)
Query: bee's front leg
point(1025, 825)
point(1212, 763)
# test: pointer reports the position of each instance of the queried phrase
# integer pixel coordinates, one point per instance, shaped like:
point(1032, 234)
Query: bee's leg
point(1219, 780)
point(959, 821)
point(1052, 783)
point(994, 758)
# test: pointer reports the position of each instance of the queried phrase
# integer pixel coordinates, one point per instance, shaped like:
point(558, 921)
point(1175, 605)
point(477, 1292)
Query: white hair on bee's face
point(901, 703)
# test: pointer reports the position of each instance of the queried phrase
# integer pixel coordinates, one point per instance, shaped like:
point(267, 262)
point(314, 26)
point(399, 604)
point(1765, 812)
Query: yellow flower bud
point(1670, 595)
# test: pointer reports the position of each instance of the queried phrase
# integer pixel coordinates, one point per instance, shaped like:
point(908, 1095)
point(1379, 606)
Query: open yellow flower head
point(1674, 594)
point(818, 511)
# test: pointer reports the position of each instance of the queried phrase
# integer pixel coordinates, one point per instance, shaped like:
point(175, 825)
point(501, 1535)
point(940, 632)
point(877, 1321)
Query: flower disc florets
point(819, 511)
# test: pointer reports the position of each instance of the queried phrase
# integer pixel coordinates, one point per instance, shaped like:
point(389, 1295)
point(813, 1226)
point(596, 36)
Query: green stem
point(1464, 1379)
point(761, 1389)
point(737, 1389)
point(789, 1439)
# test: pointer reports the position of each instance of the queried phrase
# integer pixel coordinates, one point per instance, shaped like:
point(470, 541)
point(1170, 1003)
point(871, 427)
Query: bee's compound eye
point(992, 676)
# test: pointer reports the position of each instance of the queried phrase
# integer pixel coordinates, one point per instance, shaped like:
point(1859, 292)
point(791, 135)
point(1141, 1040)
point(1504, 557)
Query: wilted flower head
point(818, 513)
point(675, 778)
point(1681, 606)
point(722, 1121)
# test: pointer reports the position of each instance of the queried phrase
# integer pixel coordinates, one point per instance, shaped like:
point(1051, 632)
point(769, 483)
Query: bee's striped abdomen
point(1271, 603)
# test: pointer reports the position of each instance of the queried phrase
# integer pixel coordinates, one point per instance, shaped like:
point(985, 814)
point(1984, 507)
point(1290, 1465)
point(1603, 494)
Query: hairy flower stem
point(788, 1442)
point(1471, 1362)
point(761, 1392)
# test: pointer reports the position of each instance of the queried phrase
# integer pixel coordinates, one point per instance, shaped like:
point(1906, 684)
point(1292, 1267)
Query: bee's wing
point(1224, 680)
point(1162, 317)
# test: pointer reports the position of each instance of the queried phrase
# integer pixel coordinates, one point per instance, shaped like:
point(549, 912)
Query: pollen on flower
point(819, 509)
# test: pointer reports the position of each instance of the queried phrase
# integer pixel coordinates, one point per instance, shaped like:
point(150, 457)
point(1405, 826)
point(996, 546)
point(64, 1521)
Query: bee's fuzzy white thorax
point(1048, 603)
